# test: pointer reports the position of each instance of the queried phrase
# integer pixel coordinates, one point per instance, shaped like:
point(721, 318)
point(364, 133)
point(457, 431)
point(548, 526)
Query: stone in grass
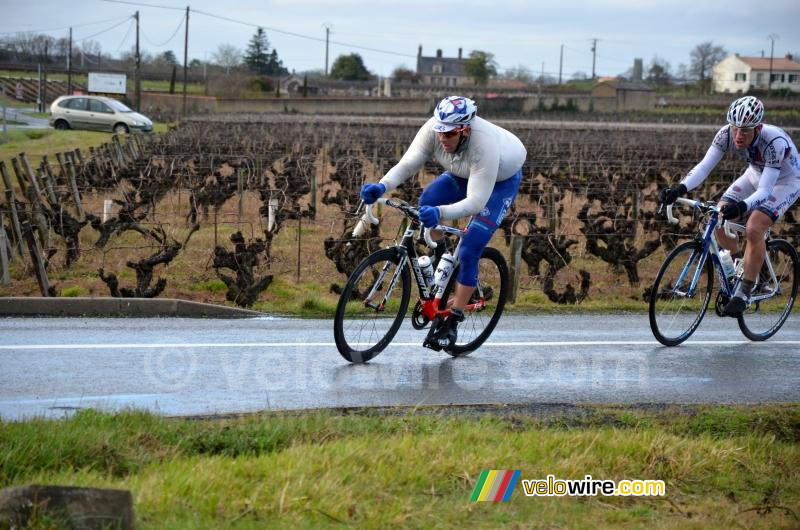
point(66, 507)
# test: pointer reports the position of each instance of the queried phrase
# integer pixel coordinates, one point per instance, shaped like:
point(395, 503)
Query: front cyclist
point(767, 188)
point(483, 169)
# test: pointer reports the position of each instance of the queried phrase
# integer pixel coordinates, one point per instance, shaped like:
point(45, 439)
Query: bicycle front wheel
point(675, 312)
point(772, 296)
point(372, 306)
point(493, 285)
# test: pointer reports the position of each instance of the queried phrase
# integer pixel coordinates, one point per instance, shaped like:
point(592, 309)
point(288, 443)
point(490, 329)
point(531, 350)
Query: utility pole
point(560, 64)
point(594, 55)
point(69, 64)
point(44, 79)
point(772, 38)
point(185, 59)
point(327, 37)
point(137, 75)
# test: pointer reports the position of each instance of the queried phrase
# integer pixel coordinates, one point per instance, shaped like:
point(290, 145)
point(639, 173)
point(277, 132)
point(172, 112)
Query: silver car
point(96, 113)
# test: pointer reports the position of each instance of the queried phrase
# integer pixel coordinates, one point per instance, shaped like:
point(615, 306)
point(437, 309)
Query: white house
point(740, 74)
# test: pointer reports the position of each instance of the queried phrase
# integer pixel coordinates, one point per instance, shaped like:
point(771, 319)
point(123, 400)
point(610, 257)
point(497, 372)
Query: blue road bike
point(684, 285)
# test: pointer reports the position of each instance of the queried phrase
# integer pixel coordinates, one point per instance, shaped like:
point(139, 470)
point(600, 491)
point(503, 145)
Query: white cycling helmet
point(746, 112)
point(453, 112)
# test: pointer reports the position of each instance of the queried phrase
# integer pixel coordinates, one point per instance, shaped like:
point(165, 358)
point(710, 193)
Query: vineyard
point(247, 211)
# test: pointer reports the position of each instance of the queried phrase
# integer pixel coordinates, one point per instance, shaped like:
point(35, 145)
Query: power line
point(124, 38)
point(299, 35)
point(180, 24)
point(107, 29)
point(144, 5)
point(62, 28)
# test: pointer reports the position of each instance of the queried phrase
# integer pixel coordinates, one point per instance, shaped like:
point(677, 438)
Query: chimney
point(637, 70)
point(419, 53)
point(439, 53)
point(790, 56)
point(459, 53)
point(762, 54)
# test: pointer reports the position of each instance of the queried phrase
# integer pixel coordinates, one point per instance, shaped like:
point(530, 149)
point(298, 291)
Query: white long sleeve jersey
point(772, 155)
point(491, 154)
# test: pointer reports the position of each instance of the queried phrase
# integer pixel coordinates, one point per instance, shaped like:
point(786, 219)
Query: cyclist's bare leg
point(757, 226)
point(461, 295)
point(723, 240)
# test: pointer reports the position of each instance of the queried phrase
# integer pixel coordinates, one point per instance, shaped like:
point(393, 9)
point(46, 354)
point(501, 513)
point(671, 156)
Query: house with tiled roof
point(442, 71)
point(737, 73)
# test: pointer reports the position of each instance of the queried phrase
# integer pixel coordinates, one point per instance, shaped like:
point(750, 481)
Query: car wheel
point(121, 128)
point(61, 125)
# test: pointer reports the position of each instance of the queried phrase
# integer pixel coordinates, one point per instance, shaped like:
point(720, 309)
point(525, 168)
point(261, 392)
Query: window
point(777, 78)
point(75, 104)
point(95, 105)
point(794, 78)
point(740, 77)
point(437, 68)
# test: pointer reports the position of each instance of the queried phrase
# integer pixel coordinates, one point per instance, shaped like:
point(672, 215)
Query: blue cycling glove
point(372, 192)
point(429, 216)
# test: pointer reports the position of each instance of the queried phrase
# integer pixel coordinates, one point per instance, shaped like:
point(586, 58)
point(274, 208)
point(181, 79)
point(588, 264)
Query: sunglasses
point(451, 133)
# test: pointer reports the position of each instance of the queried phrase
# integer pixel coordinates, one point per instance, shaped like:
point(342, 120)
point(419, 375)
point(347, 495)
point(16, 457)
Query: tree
point(275, 65)
point(658, 72)
point(256, 58)
point(520, 73)
point(169, 57)
point(227, 56)
point(404, 74)
point(704, 56)
point(350, 68)
point(480, 66)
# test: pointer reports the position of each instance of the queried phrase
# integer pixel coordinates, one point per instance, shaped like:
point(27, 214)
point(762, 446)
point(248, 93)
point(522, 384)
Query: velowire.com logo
point(495, 485)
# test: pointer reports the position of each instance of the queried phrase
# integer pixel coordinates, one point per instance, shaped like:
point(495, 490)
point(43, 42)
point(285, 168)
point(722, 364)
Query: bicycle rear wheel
point(364, 324)
point(675, 313)
point(493, 284)
point(763, 318)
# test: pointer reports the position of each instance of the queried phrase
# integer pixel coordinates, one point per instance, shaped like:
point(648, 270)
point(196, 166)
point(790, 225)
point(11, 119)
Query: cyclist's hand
point(733, 210)
point(372, 192)
point(429, 216)
point(670, 195)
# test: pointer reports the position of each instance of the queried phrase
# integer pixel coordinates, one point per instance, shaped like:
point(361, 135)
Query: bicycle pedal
point(432, 345)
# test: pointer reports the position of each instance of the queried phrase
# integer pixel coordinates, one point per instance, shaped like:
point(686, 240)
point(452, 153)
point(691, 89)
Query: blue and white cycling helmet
point(453, 112)
point(746, 112)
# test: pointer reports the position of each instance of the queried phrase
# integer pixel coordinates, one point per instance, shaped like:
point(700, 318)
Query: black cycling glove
point(733, 210)
point(670, 195)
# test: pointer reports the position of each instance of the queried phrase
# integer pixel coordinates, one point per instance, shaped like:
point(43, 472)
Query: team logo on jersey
point(737, 189)
point(484, 212)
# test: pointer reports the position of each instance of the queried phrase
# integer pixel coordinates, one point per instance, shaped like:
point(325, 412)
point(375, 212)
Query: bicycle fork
point(379, 282)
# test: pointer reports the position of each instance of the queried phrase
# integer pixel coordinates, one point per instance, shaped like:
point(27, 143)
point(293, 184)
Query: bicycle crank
point(418, 320)
point(720, 303)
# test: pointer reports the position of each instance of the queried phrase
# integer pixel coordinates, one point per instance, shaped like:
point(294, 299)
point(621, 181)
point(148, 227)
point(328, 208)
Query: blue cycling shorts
point(448, 189)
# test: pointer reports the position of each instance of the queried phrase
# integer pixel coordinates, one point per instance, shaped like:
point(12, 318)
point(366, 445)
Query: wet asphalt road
point(51, 366)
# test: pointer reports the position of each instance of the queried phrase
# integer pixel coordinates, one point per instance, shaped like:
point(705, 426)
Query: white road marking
point(394, 344)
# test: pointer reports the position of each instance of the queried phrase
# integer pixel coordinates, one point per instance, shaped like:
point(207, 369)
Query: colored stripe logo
point(495, 485)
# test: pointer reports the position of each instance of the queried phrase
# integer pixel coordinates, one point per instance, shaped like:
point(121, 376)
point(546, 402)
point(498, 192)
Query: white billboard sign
point(107, 83)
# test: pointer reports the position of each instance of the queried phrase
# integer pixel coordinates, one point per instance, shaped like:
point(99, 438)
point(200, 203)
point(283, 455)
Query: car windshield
point(116, 105)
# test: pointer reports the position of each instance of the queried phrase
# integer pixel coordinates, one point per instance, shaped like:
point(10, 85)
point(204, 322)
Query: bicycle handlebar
point(369, 218)
point(698, 205)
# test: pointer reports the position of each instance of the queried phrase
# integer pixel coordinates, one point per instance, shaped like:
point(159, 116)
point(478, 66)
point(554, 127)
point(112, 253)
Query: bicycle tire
point(758, 321)
point(666, 323)
point(473, 320)
point(349, 339)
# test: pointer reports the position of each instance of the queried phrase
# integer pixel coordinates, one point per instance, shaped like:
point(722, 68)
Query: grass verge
point(416, 468)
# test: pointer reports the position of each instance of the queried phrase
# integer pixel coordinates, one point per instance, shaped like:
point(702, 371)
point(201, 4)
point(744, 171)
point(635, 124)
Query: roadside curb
point(117, 307)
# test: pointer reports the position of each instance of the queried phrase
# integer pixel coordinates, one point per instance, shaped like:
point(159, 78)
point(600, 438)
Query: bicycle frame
point(710, 246)
point(429, 297)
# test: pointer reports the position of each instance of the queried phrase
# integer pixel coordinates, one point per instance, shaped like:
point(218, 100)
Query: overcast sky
point(387, 33)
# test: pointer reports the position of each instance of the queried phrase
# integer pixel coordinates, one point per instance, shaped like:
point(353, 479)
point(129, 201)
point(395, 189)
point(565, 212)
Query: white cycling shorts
point(784, 194)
